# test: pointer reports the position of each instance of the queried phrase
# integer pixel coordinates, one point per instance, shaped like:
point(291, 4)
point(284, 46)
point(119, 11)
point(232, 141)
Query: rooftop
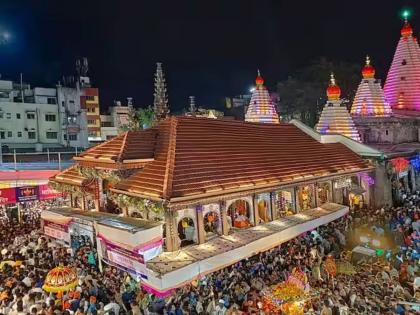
point(196, 157)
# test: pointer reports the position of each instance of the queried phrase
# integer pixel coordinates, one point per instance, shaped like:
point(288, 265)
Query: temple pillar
point(200, 224)
point(83, 203)
point(255, 207)
point(71, 201)
point(316, 195)
point(172, 241)
point(273, 206)
point(223, 217)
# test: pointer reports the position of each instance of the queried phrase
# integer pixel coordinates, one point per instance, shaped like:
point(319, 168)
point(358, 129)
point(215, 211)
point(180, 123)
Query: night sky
point(210, 49)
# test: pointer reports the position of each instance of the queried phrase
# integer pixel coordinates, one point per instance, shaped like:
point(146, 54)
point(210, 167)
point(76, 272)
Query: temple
point(261, 108)
point(215, 186)
point(335, 119)
point(369, 100)
point(402, 85)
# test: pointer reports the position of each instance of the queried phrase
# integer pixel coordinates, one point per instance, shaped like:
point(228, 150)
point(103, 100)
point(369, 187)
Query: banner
point(7, 196)
point(26, 193)
point(57, 231)
point(125, 258)
point(46, 192)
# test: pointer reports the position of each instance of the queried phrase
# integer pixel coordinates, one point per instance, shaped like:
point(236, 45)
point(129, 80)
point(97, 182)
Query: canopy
point(61, 279)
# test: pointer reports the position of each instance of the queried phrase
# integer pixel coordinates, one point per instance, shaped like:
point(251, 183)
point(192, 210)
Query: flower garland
point(66, 188)
point(109, 175)
point(141, 205)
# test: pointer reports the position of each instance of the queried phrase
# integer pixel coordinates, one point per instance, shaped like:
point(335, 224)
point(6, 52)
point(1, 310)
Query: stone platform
point(170, 270)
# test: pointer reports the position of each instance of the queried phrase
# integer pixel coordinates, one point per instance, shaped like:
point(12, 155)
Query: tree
point(138, 119)
point(302, 95)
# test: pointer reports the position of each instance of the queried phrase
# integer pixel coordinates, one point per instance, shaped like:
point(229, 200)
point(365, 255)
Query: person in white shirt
point(112, 306)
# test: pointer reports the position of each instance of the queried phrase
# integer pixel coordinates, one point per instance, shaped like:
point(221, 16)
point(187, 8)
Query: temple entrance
point(211, 224)
point(240, 214)
point(284, 203)
point(324, 191)
point(186, 231)
point(305, 197)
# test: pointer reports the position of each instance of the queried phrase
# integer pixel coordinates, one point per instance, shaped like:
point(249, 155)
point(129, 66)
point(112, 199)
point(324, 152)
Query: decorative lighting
point(415, 162)
point(400, 164)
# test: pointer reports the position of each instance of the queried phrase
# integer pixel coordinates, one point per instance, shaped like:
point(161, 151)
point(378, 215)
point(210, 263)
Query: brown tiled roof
point(70, 176)
point(197, 156)
point(129, 147)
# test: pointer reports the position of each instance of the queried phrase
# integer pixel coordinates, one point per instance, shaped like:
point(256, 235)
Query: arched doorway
point(263, 210)
point(186, 231)
point(240, 214)
point(211, 223)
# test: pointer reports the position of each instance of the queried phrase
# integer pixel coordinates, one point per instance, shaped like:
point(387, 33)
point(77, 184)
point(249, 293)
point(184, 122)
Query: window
point(30, 115)
point(31, 135)
point(17, 116)
point(2, 135)
point(19, 134)
point(65, 137)
point(51, 135)
point(1, 114)
point(51, 100)
point(90, 98)
point(92, 134)
point(9, 134)
point(91, 121)
point(63, 104)
point(386, 132)
point(73, 137)
point(49, 117)
point(404, 62)
point(71, 102)
point(8, 115)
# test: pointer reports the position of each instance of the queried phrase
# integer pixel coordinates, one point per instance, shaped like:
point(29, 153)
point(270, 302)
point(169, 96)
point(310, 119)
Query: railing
point(36, 165)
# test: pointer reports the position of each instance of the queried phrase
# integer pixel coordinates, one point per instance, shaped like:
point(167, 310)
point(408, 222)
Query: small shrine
point(335, 119)
point(369, 100)
point(261, 108)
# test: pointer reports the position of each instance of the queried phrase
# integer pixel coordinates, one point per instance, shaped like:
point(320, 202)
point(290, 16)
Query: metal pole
point(59, 161)
point(14, 158)
point(48, 154)
point(76, 149)
point(1, 153)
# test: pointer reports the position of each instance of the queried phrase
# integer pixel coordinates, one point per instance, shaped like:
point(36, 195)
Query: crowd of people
point(379, 286)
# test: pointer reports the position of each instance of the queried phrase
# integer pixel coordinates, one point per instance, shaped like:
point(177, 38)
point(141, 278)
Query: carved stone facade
point(388, 130)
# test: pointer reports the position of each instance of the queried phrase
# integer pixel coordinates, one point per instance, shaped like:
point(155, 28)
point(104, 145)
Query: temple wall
point(382, 187)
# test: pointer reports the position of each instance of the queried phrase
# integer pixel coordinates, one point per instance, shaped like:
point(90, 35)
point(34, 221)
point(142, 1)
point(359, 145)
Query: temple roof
point(70, 176)
point(198, 157)
point(128, 150)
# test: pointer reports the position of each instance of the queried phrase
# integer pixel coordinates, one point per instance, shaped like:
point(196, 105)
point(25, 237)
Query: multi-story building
point(89, 100)
point(38, 118)
point(112, 123)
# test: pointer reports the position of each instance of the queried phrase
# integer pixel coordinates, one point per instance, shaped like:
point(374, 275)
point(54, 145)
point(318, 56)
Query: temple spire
point(369, 99)
point(261, 108)
point(160, 103)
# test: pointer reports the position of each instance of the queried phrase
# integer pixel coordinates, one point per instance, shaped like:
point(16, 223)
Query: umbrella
point(61, 279)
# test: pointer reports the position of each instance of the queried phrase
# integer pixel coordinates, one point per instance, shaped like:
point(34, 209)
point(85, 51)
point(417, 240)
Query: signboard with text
point(57, 231)
point(46, 192)
point(7, 196)
point(26, 193)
